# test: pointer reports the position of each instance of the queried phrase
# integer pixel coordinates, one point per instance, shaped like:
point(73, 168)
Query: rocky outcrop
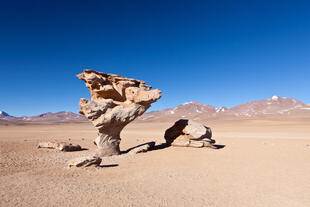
point(115, 102)
point(84, 161)
point(188, 133)
point(142, 148)
point(61, 146)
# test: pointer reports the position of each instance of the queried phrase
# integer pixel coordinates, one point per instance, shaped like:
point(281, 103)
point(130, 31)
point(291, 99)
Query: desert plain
point(263, 162)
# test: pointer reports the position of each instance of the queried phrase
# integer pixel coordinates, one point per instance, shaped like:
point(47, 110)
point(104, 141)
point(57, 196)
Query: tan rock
point(188, 133)
point(115, 102)
point(62, 146)
point(142, 148)
point(50, 145)
point(84, 161)
point(68, 147)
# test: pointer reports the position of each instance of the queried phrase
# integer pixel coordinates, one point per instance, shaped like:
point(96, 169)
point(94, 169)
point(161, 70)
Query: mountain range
point(274, 106)
point(59, 116)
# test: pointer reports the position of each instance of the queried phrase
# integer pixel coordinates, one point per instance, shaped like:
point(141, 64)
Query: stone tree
point(115, 102)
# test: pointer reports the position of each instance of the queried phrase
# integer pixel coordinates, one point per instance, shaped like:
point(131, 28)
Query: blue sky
point(221, 53)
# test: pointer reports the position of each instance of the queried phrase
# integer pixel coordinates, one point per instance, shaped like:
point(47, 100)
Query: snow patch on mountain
point(220, 109)
point(188, 103)
point(275, 98)
point(3, 113)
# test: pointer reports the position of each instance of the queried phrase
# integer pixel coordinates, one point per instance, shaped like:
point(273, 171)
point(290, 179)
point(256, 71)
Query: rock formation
point(61, 146)
point(84, 161)
point(142, 148)
point(115, 102)
point(187, 133)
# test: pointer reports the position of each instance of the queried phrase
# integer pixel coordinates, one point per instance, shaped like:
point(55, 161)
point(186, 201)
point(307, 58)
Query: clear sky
point(221, 53)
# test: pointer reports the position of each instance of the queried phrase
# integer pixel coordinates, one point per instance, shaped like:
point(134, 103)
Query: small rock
point(84, 161)
point(62, 146)
point(142, 148)
point(50, 145)
point(68, 147)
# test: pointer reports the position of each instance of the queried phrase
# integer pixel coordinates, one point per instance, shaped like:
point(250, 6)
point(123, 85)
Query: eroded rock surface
point(188, 133)
point(62, 146)
point(84, 161)
point(115, 102)
point(142, 148)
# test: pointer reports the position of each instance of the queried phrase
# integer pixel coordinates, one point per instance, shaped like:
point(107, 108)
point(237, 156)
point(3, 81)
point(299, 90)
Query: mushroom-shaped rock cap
point(118, 88)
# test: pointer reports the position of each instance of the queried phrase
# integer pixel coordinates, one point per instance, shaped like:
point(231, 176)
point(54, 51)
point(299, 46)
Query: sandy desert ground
point(263, 163)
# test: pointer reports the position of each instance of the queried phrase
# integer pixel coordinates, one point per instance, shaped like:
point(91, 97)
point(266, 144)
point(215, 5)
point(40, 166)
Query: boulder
point(115, 102)
point(84, 161)
point(68, 147)
point(49, 145)
point(61, 146)
point(142, 148)
point(188, 133)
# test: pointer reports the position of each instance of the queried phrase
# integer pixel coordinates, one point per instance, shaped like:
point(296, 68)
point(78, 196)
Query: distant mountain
point(189, 109)
point(54, 117)
point(274, 106)
point(4, 115)
point(59, 116)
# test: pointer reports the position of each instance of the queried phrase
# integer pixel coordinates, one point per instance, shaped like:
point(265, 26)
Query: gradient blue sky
point(213, 52)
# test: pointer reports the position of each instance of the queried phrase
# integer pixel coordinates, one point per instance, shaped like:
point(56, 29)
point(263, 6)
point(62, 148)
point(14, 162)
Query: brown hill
point(59, 116)
point(274, 106)
point(46, 117)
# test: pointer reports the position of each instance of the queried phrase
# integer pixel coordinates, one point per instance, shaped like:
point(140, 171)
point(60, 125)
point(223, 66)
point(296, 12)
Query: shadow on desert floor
point(111, 165)
point(219, 146)
point(151, 144)
point(161, 146)
point(83, 149)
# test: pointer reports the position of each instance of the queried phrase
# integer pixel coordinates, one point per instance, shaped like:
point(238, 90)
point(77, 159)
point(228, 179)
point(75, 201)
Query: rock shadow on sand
point(110, 165)
point(147, 146)
point(150, 146)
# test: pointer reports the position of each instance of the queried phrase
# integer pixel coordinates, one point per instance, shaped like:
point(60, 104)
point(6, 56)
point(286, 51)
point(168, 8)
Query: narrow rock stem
point(108, 144)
